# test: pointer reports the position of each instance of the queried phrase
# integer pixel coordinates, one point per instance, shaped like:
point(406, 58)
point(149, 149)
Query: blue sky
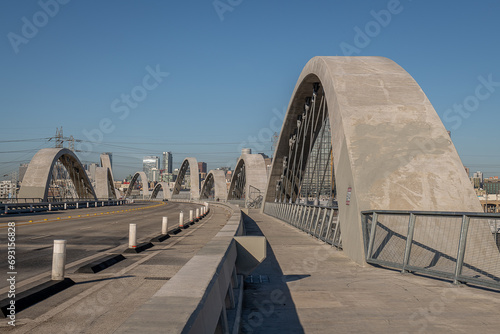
point(230, 73)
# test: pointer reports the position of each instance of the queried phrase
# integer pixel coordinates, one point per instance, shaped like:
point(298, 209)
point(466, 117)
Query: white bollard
point(191, 216)
point(95, 204)
point(77, 205)
point(197, 213)
point(102, 204)
point(164, 225)
point(132, 236)
point(59, 260)
point(50, 207)
point(181, 219)
point(65, 206)
point(87, 204)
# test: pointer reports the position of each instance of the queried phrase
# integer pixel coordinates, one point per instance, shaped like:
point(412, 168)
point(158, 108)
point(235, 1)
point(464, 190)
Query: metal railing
point(19, 207)
point(320, 222)
point(461, 246)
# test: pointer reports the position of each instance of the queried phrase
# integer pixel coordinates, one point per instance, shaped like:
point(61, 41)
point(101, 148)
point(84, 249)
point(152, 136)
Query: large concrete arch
point(106, 163)
point(216, 181)
point(167, 192)
point(194, 175)
point(104, 185)
point(37, 179)
point(144, 181)
point(250, 173)
point(390, 148)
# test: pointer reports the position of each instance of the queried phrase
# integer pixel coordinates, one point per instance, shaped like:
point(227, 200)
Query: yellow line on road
point(30, 222)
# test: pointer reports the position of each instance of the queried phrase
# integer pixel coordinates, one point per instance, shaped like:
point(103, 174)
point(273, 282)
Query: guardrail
point(461, 246)
point(318, 221)
point(53, 206)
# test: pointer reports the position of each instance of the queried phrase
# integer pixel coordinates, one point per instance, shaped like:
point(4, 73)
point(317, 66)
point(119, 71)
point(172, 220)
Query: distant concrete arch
point(167, 192)
point(194, 175)
point(249, 178)
point(144, 181)
point(37, 179)
point(390, 149)
point(104, 185)
point(216, 182)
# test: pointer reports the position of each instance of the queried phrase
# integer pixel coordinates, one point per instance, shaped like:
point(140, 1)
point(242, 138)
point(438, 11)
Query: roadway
point(101, 302)
point(89, 233)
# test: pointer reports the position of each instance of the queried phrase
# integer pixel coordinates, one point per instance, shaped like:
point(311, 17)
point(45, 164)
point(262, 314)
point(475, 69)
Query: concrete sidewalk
point(305, 286)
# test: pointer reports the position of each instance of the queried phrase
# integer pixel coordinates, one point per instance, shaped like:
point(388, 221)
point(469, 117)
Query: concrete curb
point(35, 295)
point(100, 264)
point(140, 248)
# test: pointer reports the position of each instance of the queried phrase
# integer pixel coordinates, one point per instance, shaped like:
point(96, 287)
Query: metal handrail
point(389, 252)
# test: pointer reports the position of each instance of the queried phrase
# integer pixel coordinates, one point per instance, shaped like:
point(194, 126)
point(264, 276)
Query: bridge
point(363, 166)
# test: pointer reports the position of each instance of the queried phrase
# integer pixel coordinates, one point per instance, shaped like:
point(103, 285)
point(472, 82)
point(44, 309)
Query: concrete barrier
point(198, 297)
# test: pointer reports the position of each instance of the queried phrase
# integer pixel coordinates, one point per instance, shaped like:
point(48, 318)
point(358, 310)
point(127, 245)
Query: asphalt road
point(88, 232)
point(101, 302)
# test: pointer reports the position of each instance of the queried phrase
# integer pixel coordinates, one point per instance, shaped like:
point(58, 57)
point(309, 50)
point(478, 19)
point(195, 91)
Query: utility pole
point(59, 138)
point(71, 142)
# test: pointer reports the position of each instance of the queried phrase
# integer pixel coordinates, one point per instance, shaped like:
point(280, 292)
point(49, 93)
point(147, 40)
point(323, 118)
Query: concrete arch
point(104, 185)
point(250, 174)
point(144, 181)
point(167, 192)
point(37, 179)
point(390, 148)
point(216, 181)
point(106, 163)
point(194, 175)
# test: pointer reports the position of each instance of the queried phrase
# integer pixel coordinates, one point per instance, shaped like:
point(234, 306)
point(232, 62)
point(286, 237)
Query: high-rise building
point(149, 163)
point(202, 167)
point(479, 175)
point(167, 162)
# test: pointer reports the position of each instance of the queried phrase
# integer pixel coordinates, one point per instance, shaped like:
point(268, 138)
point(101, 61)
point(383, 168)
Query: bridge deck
point(315, 288)
point(100, 303)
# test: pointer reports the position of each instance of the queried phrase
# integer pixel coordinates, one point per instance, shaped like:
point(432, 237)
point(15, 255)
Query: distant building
point(492, 185)
point(167, 162)
point(155, 175)
point(149, 163)
point(7, 189)
point(479, 174)
point(202, 167)
point(476, 182)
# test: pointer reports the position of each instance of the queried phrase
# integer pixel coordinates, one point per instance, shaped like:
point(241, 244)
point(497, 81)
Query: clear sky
point(204, 78)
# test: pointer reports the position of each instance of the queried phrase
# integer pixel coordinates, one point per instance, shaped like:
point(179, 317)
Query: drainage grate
point(158, 278)
point(257, 279)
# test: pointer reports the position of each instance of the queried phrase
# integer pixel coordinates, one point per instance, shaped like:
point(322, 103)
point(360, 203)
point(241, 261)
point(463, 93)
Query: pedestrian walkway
point(305, 286)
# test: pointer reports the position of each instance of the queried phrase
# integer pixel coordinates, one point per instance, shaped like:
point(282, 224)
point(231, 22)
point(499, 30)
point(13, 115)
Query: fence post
point(372, 236)
point(461, 248)
point(409, 241)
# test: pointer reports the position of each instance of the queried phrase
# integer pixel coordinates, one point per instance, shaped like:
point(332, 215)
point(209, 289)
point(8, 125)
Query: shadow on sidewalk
point(267, 303)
